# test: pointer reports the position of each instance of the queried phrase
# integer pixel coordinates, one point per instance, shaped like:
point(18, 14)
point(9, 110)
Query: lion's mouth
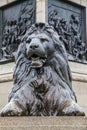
point(37, 61)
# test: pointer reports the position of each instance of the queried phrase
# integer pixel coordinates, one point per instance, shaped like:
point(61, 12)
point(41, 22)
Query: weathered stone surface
point(5, 88)
point(40, 10)
point(43, 123)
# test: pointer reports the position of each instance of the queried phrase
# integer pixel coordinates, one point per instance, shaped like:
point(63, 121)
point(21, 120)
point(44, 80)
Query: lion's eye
point(28, 40)
point(44, 39)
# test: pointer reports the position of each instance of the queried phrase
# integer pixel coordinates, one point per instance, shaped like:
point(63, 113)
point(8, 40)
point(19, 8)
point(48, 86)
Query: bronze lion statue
point(42, 79)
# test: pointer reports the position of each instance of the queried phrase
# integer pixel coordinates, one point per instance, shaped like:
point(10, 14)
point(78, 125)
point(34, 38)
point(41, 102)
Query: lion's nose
point(34, 46)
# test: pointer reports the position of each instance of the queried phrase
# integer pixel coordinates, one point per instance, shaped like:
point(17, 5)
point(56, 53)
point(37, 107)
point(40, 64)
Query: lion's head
point(41, 45)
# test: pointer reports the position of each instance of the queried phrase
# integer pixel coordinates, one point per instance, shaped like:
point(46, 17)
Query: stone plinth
point(43, 123)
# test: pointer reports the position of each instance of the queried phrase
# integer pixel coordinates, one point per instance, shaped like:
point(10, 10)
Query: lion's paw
point(73, 109)
point(11, 109)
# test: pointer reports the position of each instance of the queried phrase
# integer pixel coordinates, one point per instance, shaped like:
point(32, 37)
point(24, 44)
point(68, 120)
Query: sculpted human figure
point(42, 79)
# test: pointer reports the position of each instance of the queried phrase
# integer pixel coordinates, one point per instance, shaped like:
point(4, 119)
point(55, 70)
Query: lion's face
point(39, 47)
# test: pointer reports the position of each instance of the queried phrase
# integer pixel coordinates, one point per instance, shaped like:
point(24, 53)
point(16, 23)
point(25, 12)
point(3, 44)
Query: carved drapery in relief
point(16, 19)
point(69, 22)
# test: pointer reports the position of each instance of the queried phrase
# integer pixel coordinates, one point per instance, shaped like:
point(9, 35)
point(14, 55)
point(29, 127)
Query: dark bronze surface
point(16, 18)
point(69, 21)
point(42, 79)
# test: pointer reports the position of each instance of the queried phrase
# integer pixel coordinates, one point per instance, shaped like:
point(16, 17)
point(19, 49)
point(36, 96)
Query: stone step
point(44, 128)
point(43, 123)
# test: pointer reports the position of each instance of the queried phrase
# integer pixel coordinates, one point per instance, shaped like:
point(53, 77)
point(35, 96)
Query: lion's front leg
point(12, 109)
point(71, 108)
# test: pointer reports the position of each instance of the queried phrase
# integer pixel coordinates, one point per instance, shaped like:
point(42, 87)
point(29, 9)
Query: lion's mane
point(54, 74)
